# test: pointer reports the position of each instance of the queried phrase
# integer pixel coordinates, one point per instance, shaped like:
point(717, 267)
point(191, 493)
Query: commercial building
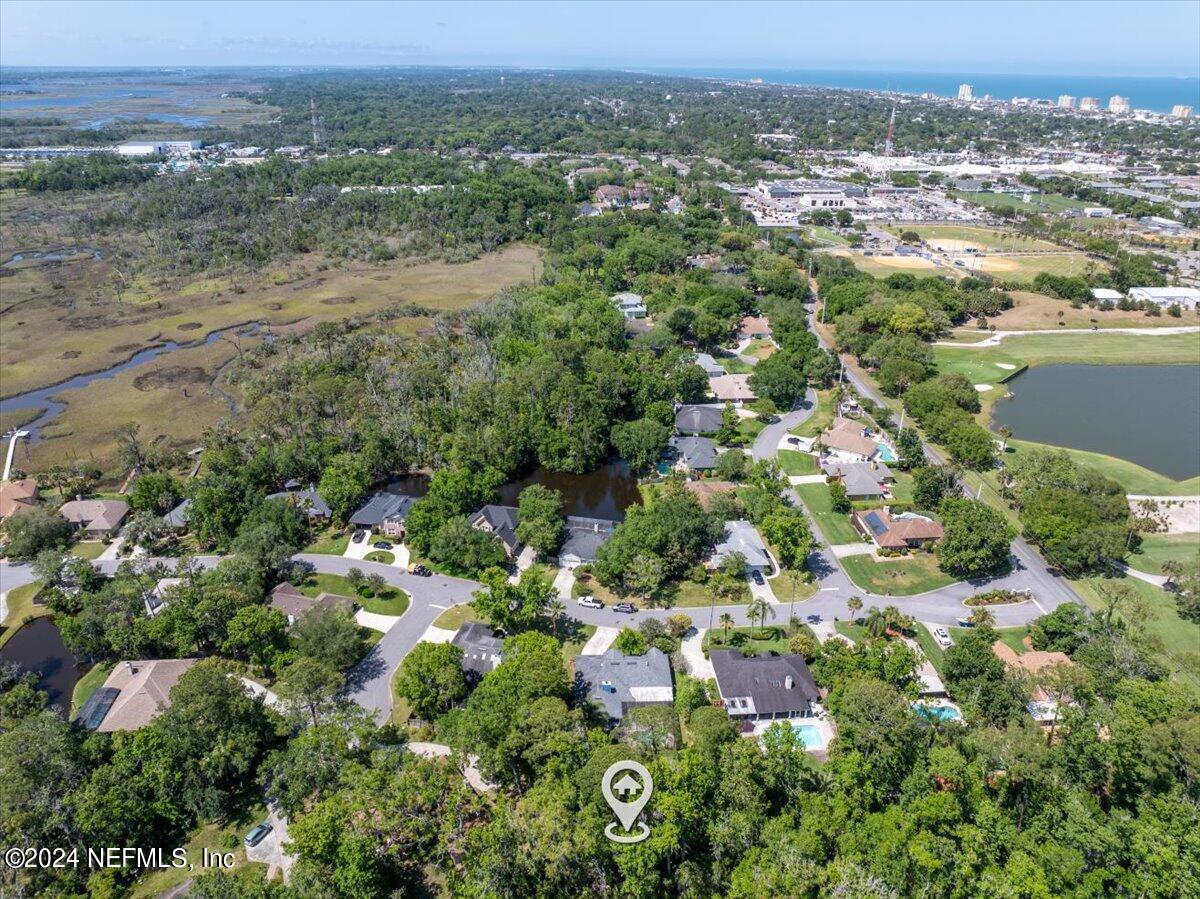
point(1089, 104)
point(157, 147)
point(1185, 297)
point(1181, 111)
point(1066, 101)
point(966, 92)
point(1118, 104)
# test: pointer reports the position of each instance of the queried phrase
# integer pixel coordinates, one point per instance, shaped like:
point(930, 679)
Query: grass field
point(1026, 268)
point(456, 616)
point(1159, 548)
point(835, 526)
point(951, 236)
point(331, 543)
point(796, 463)
point(88, 549)
point(1180, 639)
point(390, 601)
point(760, 349)
point(821, 417)
point(882, 266)
point(1035, 311)
point(1037, 203)
point(20, 606)
point(903, 577)
point(223, 836)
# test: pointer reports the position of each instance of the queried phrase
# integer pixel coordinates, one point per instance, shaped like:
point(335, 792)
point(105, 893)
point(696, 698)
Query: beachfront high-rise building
point(1066, 101)
point(1118, 104)
point(1181, 111)
point(1089, 103)
point(966, 92)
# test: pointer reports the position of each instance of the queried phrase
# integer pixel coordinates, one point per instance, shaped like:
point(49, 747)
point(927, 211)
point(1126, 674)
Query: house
point(95, 517)
point(17, 496)
point(754, 326)
point(135, 692)
point(308, 500)
point(862, 480)
point(698, 419)
point(903, 531)
point(847, 440)
point(1043, 707)
point(501, 521)
point(384, 512)
point(156, 600)
point(610, 196)
point(482, 649)
point(586, 211)
point(692, 454)
point(585, 536)
point(630, 305)
point(762, 688)
point(732, 389)
point(1104, 294)
point(742, 537)
point(617, 682)
point(177, 518)
point(705, 490)
point(286, 598)
point(1184, 297)
point(675, 206)
point(709, 364)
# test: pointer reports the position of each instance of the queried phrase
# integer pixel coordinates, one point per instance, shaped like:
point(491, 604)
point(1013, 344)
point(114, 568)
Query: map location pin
point(627, 795)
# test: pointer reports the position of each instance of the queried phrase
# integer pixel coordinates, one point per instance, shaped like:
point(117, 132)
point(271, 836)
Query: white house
point(630, 305)
point(1103, 294)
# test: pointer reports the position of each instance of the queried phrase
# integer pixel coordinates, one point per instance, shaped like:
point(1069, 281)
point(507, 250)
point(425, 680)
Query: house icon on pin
point(626, 785)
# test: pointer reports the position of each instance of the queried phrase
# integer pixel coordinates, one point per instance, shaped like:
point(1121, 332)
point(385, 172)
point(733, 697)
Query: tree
point(431, 679)
point(760, 609)
point(930, 485)
point(514, 607)
point(270, 535)
point(853, 604)
point(982, 617)
point(328, 635)
point(257, 633)
point(146, 530)
point(344, 480)
point(631, 643)
point(460, 547)
point(780, 378)
point(839, 499)
point(641, 443)
point(310, 687)
point(726, 623)
point(731, 465)
point(678, 625)
point(34, 531)
point(875, 724)
point(540, 519)
point(790, 536)
point(976, 540)
point(155, 491)
point(1187, 590)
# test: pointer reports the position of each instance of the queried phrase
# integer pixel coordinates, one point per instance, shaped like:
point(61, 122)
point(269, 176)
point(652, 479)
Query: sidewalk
point(693, 655)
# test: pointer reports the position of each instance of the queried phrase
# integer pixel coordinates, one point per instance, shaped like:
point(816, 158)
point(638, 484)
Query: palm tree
point(555, 608)
point(853, 604)
point(1006, 434)
point(726, 622)
point(794, 578)
point(876, 622)
point(759, 609)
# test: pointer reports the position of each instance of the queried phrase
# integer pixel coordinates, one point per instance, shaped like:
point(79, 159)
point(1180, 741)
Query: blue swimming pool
point(886, 454)
point(809, 734)
point(941, 712)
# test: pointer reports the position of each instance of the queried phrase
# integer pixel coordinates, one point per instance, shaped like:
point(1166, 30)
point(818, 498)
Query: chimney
point(78, 497)
point(132, 670)
point(788, 683)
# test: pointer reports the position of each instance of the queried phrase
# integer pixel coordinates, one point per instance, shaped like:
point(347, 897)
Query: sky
point(1086, 38)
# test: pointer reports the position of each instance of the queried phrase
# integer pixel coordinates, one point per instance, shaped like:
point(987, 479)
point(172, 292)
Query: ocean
point(1156, 93)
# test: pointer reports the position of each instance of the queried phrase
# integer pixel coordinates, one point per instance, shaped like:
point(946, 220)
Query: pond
point(604, 493)
point(1148, 414)
point(38, 647)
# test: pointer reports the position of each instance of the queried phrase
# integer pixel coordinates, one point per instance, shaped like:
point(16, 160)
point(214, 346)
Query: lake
point(1148, 414)
point(38, 647)
point(604, 493)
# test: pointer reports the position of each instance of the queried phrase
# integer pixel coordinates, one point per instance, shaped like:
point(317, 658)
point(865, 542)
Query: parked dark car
point(757, 577)
point(381, 544)
point(257, 835)
point(420, 571)
point(626, 607)
point(358, 537)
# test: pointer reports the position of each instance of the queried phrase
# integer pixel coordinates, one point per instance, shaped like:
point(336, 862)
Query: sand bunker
point(983, 388)
point(1007, 366)
point(901, 261)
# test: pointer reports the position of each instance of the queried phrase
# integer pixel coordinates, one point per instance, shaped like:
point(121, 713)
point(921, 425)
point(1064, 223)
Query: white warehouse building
point(1186, 297)
point(157, 147)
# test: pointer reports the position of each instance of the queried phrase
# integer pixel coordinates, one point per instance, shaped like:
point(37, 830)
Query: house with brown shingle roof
point(288, 599)
point(732, 389)
point(135, 692)
point(848, 440)
point(1043, 707)
point(17, 496)
point(95, 517)
point(754, 326)
point(908, 530)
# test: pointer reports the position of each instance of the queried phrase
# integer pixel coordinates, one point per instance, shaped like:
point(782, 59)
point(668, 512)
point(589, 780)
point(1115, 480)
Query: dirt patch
point(174, 376)
point(382, 278)
point(125, 348)
point(999, 264)
point(309, 284)
point(274, 307)
point(338, 301)
point(189, 326)
point(88, 323)
point(903, 261)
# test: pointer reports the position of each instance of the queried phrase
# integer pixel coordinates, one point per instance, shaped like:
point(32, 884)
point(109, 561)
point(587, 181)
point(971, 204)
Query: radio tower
point(887, 146)
point(316, 127)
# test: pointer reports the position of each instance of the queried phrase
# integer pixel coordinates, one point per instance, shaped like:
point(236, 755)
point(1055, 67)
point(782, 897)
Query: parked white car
point(590, 602)
point(943, 637)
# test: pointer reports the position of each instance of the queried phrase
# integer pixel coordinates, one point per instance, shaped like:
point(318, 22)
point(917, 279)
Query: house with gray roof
point(709, 364)
point(482, 649)
point(862, 480)
point(95, 517)
point(698, 419)
point(384, 512)
point(501, 521)
point(177, 518)
point(307, 500)
point(692, 454)
point(762, 688)
point(742, 537)
point(585, 536)
point(617, 682)
point(630, 305)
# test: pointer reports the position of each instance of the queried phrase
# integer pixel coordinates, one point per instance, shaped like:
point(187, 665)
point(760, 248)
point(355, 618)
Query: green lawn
point(89, 684)
point(797, 463)
point(88, 549)
point(761, 638)
point(835, 526)
point(750, 427)
point(225, 836)
point(759, 348)
point(903, 577)
point(683, 594)
point(331, 543)
point(979, 365)
point(456, 616)
point(1158, 548)
point(1180, 639)
point(1038, 202)
point(821, 417)
point(734, 365)
point(390, 601)
point(990, 238)
point(1133, 477)
point(380, 555)
point(855, 632)
point(20, 607)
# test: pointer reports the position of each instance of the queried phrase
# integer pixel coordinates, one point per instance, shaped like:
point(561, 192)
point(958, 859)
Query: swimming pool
point(809, 734)
point(886, 454)
point(941, 712)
